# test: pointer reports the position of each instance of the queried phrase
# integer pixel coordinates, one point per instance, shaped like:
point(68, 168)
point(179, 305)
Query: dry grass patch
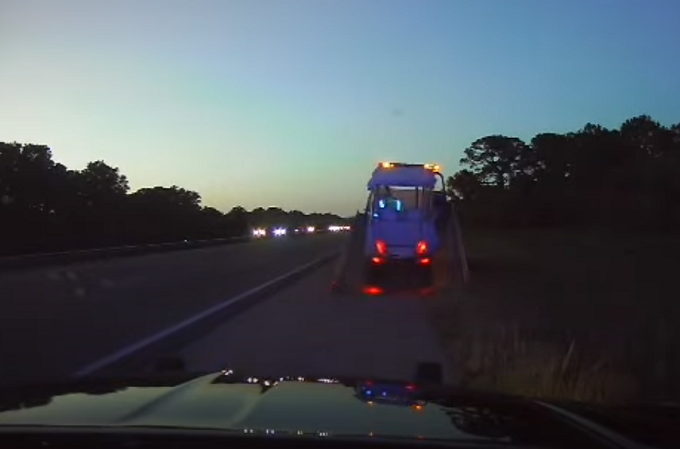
point(566, 315)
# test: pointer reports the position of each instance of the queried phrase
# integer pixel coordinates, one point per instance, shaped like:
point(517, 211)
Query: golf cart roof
point(404, 175)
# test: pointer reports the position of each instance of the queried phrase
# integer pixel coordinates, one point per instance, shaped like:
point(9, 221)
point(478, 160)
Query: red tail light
point(421, 248)
point(378, 260)
point(424, 261)
point(381, 247)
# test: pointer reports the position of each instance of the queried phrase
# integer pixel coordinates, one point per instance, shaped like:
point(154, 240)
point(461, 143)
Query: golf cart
point(403, 213)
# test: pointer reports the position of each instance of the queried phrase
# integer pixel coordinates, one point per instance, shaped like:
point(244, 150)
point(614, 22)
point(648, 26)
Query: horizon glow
point(292, 103)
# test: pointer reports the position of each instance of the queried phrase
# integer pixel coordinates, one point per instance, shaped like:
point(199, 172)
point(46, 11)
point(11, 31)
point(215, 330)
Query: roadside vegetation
point(44, 206)
point(572, 242)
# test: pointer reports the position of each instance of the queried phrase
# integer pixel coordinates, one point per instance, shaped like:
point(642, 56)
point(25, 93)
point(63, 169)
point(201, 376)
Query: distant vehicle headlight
point(310, 229)
point(259, 232)
point(279, 231)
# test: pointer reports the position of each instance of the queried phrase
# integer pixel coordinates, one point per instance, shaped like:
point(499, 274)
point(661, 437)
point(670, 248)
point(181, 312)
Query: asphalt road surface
point(306, 330)
point(56, 320)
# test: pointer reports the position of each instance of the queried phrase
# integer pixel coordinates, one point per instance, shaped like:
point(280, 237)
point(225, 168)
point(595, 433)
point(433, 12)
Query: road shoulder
point(306, 329)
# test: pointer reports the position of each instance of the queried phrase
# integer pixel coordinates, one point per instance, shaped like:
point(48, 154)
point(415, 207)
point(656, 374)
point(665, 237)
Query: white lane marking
point(599, 430)
point(128, 350)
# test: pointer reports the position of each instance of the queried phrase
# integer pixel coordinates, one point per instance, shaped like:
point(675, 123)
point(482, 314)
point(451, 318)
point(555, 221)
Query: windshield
point(400, 199)
point(187, 181)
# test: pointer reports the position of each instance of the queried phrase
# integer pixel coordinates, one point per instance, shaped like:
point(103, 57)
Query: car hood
point(331, 407)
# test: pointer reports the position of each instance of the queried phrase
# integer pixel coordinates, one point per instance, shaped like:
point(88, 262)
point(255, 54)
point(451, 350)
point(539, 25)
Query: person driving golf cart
point(387, 201)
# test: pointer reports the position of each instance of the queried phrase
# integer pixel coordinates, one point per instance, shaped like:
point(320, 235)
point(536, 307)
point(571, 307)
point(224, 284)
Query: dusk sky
point(291, 103)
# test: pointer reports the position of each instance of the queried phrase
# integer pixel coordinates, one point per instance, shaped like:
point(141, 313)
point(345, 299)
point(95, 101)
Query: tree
point(166, 213)
point(463, 186)
point(44, 206)
point(169, 198)
point(29, 181)
point(497, 159)
point(237, 220)
point(627, 177)
point(100, 180)
point(25, 174)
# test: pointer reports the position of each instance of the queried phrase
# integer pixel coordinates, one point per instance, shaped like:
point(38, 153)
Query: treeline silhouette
point(626, 178)
point(44, 206)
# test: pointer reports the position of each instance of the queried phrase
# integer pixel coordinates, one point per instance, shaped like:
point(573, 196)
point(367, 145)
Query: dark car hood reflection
point(316, 406)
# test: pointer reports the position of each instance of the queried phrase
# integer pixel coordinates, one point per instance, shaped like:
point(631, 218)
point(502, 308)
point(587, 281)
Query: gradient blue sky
point(290, 103)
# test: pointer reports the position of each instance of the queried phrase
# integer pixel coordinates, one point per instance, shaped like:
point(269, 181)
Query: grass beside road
point(569, 315)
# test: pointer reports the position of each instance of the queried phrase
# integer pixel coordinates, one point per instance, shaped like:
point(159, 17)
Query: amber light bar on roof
point(434, 167)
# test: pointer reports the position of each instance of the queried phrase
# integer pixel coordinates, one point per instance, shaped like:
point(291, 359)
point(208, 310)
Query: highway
point(229, 306)
point(57, 321)
point(307, 330)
